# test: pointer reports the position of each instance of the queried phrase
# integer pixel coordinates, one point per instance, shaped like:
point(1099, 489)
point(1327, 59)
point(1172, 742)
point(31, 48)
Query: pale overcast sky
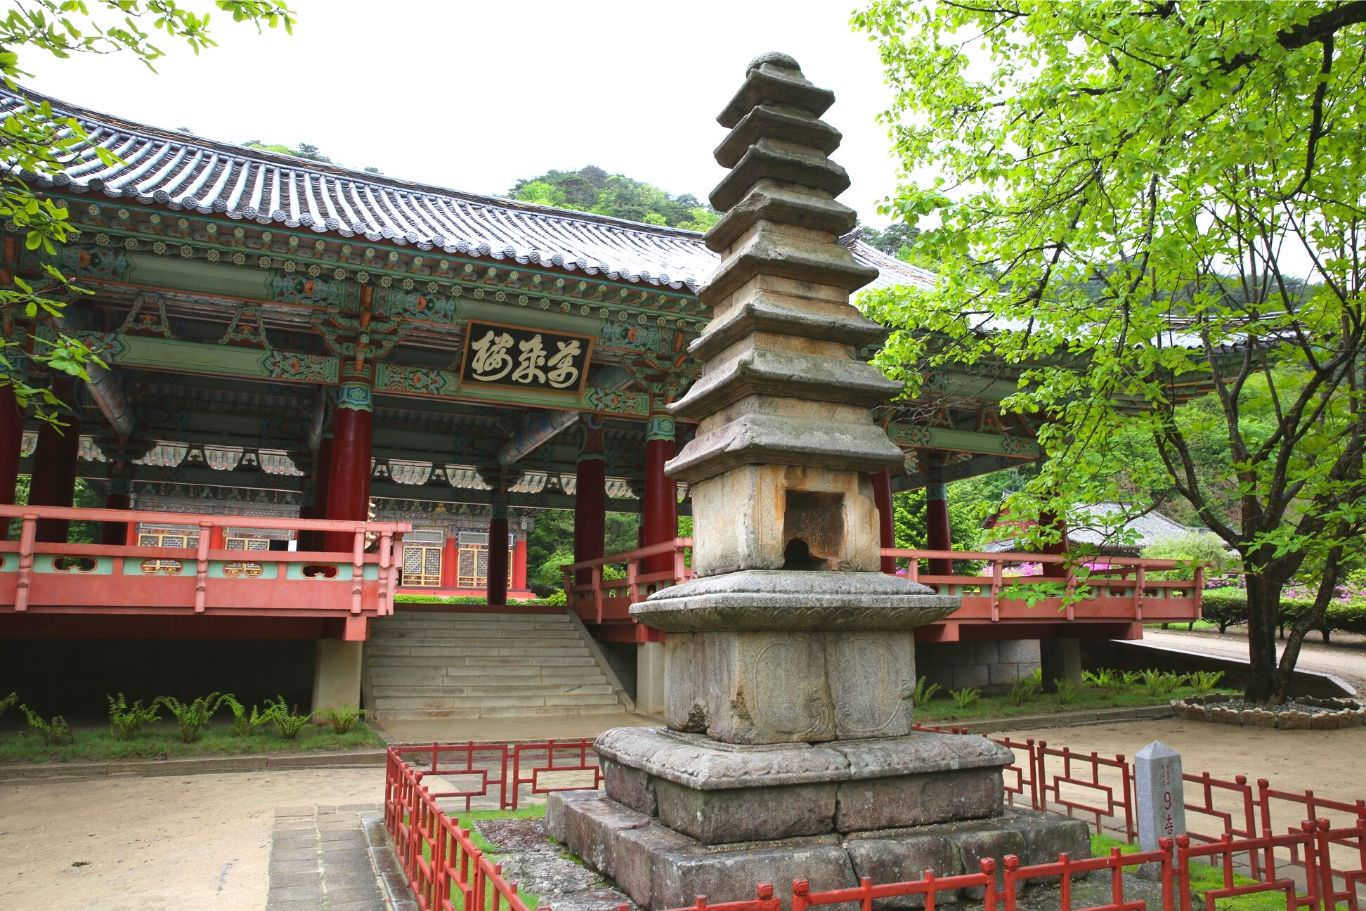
point(473, 96)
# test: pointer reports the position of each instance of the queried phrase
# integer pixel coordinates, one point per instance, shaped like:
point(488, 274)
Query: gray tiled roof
point(183, 172)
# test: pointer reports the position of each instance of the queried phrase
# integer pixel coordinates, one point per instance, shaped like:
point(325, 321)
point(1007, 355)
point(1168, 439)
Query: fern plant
point(966, 698)
point(126, 721)
point(1022, 690)
point(192, 716)
point(1204, 681)
point(288, 722)
point(54, 731)
point(343, 718)
point(1065, 690)
point(245, 723)
point(924, 691)
point(1104, 678)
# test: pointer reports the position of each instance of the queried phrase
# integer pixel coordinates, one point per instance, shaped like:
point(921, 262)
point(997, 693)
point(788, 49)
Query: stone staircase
point(426, 665)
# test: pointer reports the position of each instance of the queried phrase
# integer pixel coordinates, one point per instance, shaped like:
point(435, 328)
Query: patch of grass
point(161, 741)
point(1038, 703)
point(467, 820)
point(1203, 878)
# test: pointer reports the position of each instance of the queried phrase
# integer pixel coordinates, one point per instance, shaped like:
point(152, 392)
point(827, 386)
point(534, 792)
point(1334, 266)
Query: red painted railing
point(1310, 848)
point(39, 577)
point(1122, 592)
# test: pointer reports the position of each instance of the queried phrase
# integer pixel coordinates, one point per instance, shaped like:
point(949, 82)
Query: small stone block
point(731, 875)
point(902, 859)
point(917, 800)
point(629, 786)
point(556, 806)
point(747, 814)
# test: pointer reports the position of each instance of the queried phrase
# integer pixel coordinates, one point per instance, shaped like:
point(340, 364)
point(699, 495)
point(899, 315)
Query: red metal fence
point(1256, 838)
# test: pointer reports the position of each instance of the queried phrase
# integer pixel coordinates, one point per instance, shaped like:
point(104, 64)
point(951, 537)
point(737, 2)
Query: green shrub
point(1197, 547)
point(1105, 678)
point(966, 698)
point(54, 731)
point(8, 702)
point(245, 724)
point(288, 722)
point(1065, 690)
point(1160, 683)
point(192, 716)
point(555, 599)
point(1204, 681)
point(343, 718)
point(126, 721)
point(1022, 690)
point(1225, 607)
point(924, 691)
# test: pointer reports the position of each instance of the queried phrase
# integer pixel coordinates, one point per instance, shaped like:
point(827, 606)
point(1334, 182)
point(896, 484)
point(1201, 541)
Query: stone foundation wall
point(955, 665)
point(72, 677)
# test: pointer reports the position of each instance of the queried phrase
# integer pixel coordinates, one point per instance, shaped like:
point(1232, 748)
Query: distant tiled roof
point(184, 172)
point(1147, 529)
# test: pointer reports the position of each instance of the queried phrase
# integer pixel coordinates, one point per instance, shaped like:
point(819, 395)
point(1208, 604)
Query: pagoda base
point(662, 868)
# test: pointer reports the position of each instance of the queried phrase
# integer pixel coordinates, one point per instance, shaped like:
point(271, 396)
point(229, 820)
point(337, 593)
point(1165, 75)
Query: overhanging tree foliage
point(36, 141)
point(1136, 201)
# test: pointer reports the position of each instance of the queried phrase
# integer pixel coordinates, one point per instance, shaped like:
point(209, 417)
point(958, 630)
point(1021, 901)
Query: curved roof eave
point(182, 172)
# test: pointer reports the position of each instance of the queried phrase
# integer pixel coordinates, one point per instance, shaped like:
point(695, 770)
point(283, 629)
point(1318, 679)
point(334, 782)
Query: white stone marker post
point(1161, 802)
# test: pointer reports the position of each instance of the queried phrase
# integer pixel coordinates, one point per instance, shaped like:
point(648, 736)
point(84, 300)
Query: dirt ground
point(188, 843)
point(202, 842)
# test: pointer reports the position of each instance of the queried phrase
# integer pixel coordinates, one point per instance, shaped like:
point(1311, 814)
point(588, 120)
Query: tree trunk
point(1263, 602)
point(1328, 583)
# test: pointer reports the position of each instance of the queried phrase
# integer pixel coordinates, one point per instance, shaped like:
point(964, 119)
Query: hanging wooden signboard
point(518, 357)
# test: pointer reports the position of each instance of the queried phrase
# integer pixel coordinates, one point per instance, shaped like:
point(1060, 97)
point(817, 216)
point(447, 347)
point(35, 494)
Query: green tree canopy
point(591, 189)
point(36, 141)
point(1132, 202)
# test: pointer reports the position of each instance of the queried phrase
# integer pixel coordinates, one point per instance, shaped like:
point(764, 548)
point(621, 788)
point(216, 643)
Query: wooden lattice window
point(246, 542)
point(177, 536)
point(472, 566)
point(422, 558)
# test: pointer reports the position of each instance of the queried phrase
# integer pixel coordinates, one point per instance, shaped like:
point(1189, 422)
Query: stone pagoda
point(790, 659)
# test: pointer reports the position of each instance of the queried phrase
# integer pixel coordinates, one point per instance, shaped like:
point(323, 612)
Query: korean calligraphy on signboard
point(522, 358)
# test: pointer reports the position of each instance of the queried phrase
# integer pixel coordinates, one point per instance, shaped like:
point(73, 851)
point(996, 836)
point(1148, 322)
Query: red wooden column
point(348, 472)
point(659, 507)
point(54, 462)
point(450, 558)
point(496, 584)
point(519, 565)
point(1054, 570)
point(590, 497)
point(886, 528)
point(11, 441)
point(938, 534)
point(317, 509)
point(119, 497)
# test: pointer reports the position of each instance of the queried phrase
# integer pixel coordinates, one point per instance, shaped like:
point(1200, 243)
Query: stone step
point(468, 665)
point(393, 691)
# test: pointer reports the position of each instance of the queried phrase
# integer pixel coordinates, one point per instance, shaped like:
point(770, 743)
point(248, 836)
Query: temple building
point(326, 390)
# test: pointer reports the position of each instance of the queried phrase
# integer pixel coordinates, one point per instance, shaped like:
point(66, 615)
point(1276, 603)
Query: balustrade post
point(28, 532)
point(357, 568)
point(201, 567)
point(1140, 582)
